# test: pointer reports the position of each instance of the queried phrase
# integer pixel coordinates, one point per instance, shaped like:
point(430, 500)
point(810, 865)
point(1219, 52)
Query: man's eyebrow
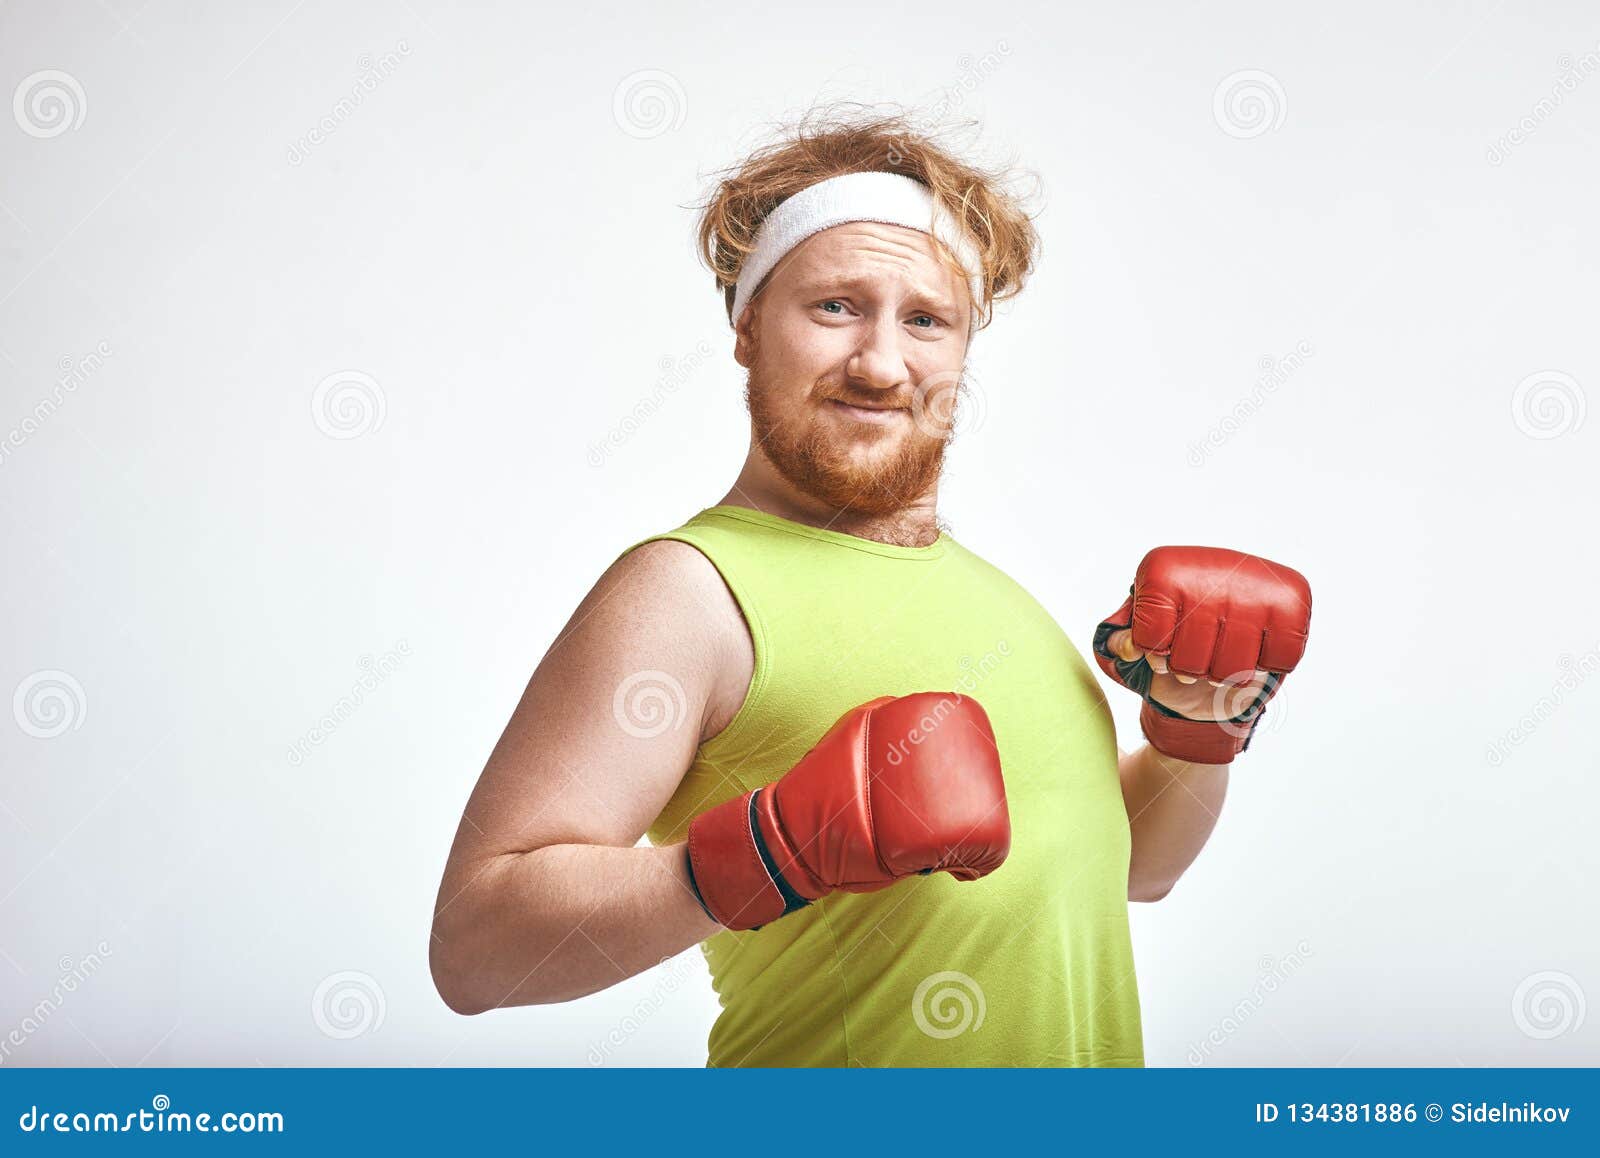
point(823, 283)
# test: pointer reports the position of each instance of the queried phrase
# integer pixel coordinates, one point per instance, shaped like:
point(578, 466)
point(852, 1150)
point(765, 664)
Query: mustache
point(874, 401)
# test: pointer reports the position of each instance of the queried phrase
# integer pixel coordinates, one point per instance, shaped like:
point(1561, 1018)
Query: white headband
point(890, 198)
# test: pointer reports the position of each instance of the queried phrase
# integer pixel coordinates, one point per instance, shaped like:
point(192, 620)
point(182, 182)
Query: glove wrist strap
point(733, 869)
point(1197, 741)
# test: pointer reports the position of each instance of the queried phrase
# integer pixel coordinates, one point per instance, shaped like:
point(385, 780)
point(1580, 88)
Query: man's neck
point(914, 525)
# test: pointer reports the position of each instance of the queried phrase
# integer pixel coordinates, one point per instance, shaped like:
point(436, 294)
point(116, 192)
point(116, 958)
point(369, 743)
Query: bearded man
point(880, 784)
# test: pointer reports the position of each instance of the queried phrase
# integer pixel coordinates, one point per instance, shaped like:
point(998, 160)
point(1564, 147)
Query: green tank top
point(1029, 966)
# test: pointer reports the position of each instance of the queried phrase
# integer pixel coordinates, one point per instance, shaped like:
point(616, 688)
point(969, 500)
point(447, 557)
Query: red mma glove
point(899, 786)
point(1217, 615)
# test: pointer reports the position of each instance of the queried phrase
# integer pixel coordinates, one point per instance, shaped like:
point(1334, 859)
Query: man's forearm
point(1172, 807)
point(560, 922)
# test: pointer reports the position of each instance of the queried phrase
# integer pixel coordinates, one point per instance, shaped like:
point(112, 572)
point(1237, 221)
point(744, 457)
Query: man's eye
point(831, 302)
point(928, 318)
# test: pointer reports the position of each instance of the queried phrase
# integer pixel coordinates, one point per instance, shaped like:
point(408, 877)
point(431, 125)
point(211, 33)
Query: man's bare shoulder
point(665, 601)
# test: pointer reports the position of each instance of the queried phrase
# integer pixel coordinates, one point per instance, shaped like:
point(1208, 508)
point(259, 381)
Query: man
point(880, 784)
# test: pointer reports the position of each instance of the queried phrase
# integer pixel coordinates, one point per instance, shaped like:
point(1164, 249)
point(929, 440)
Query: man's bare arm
point(1172, 807)
point(545, 896)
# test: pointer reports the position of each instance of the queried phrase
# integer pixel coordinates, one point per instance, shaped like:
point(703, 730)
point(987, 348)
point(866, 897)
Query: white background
point(501, 243)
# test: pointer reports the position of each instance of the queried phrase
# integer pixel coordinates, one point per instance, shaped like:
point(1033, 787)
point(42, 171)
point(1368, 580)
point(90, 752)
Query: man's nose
point(878, 362)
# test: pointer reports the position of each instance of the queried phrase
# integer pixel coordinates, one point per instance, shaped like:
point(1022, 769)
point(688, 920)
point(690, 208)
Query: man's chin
point(868, 484)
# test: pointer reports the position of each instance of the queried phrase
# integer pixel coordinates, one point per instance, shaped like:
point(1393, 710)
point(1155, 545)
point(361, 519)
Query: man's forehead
point(852, 250)
point(869, 237)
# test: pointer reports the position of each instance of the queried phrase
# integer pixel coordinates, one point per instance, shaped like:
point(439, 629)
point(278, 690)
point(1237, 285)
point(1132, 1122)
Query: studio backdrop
point(343, 346)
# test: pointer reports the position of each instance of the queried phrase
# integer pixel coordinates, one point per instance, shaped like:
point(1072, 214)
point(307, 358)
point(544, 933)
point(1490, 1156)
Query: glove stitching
point(866, 793)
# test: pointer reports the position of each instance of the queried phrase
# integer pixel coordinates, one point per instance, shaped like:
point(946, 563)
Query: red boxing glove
point(1216, 615)
point(899, 786)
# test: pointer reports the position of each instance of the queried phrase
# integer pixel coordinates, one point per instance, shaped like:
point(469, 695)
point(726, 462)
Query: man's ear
point(744, 342)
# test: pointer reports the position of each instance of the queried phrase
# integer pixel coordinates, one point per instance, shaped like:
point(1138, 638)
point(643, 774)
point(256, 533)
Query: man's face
point(855, 348)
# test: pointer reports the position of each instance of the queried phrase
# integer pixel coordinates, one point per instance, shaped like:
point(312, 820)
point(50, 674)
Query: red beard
point(813, 457)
